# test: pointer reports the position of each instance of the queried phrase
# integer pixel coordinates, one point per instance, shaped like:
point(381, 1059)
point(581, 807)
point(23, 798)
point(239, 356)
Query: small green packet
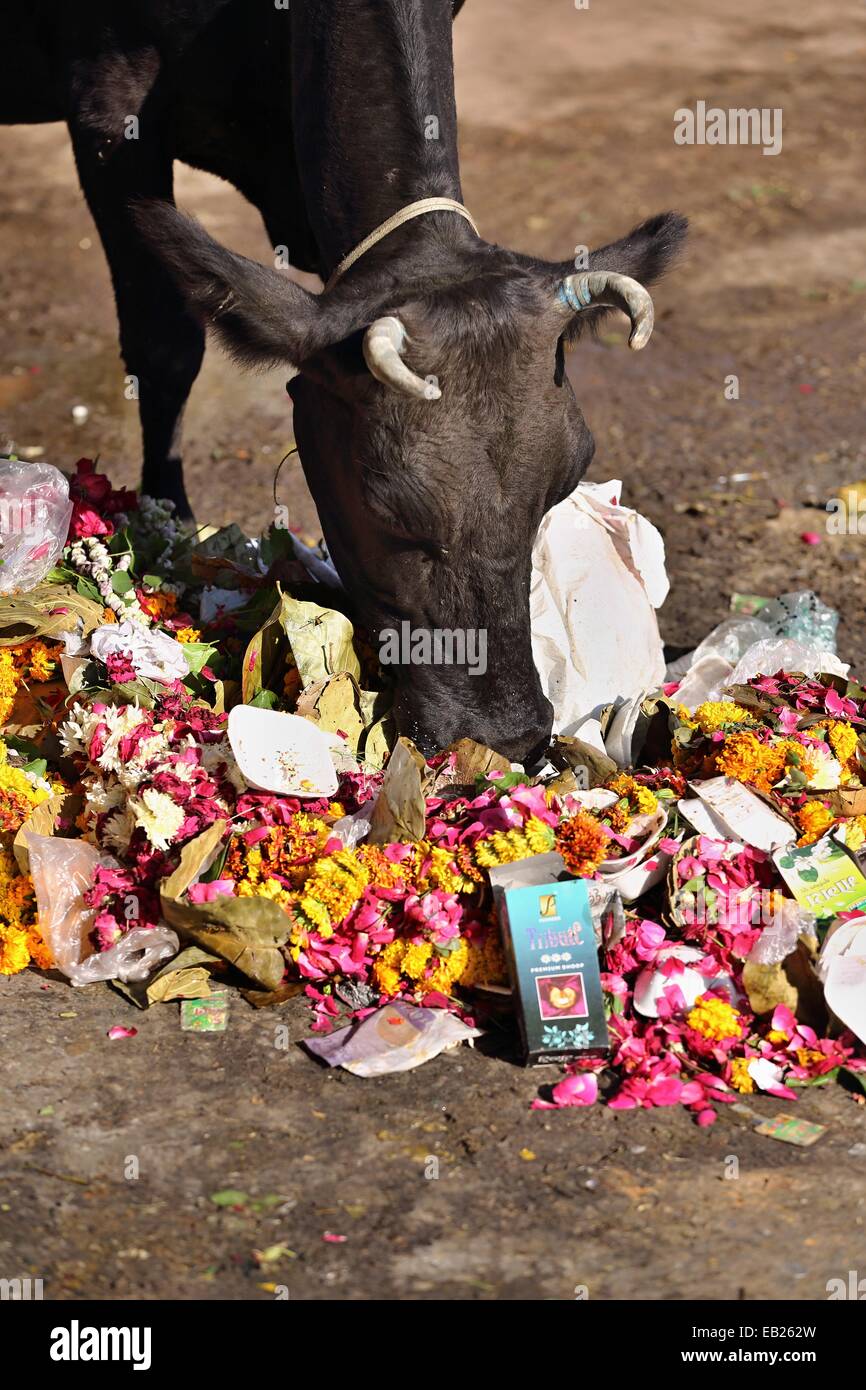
point(747, 605)
point(791, 1131)
point(205, 1015)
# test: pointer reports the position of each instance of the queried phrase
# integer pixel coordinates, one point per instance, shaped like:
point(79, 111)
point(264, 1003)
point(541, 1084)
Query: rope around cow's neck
point(405, 214)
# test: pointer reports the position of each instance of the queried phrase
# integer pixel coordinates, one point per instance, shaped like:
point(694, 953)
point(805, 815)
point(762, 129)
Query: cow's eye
point(559, 366)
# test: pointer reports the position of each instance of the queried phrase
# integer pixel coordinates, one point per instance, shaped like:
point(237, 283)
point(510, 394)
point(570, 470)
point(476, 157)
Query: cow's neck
point(374, 115)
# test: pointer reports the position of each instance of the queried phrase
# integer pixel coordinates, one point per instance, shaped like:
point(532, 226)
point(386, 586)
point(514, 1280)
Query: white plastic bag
point(35, 512)
point(738, 649)
point(598, 576)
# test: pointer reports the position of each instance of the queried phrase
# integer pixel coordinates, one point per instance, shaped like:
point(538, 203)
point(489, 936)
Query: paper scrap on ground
point(397, 1037)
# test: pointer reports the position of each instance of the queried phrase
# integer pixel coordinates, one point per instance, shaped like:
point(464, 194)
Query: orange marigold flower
point(158, 606)
point(582, 844)
point(814, 820)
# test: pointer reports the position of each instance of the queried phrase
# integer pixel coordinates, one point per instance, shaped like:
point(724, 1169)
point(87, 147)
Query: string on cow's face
point(293, 450)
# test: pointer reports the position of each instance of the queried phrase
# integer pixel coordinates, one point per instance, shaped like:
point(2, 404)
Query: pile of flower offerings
point(117, 674)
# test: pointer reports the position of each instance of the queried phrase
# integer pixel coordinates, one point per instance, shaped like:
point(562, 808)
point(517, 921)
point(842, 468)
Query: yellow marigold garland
point(20, 939)
point(9, 682)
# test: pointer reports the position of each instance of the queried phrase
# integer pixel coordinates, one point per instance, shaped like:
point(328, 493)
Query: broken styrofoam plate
point(281, 753)
point(652, 981)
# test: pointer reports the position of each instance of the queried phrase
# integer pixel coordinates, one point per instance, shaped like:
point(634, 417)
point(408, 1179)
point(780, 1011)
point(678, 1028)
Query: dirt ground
point(567, 137)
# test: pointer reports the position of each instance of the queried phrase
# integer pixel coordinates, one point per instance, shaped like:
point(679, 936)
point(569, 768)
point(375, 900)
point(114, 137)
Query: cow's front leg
point(161, 341)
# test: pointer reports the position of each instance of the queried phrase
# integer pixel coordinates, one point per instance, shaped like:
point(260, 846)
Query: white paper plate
point(281, 753)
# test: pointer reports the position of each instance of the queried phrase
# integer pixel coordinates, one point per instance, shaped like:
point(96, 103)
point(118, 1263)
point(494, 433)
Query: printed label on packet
point(823, 877)
point(552, 951)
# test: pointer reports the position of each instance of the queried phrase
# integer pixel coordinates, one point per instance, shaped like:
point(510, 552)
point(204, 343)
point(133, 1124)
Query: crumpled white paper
point(598, 576)
point(154, 655)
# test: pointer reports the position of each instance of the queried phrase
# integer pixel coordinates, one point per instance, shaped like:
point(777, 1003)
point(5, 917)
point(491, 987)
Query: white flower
point(764, 1073)
point(117, 830)
point(159, 817)
point(828, 770)
point(99, 799)
point(76, 728)
point(153, 654)
point(74, 644)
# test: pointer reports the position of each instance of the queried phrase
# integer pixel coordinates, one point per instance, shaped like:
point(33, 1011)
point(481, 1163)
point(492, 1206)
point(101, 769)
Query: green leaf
point(198, 654)
point(121, 582)
point(25, 746)
point(808, 875)
point(246, 932)
point(266, 699)
point(824, 1080)
point(88, 590)
point(858, 1078)
point(229, 1197)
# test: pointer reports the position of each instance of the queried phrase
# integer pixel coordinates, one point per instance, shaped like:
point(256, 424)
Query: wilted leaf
point(400, 811)
point(246, 932)
point(570, 752)
point(42, 821)
point(335, 705)
point(846, 801)
point(321, 639)
point(195, 857)
point(473, 760)
point(264, 658)
point(45, 611)
point(180, 984)
point(379, 742)
point(267, 998)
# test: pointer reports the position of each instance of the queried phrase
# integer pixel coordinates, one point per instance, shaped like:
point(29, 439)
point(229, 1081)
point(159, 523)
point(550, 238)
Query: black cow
point(435, 421)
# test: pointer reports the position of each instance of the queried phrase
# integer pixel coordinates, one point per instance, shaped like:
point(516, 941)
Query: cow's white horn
point(383, 352)
point(596, 287)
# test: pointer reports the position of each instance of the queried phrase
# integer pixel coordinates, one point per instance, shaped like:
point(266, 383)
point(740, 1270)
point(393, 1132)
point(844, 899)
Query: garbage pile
point(201, 787)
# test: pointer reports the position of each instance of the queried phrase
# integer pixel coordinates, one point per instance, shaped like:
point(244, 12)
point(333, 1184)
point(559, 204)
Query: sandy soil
point(567, 135)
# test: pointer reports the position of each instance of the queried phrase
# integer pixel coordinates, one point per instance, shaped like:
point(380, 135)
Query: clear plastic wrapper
point(785, 654)
point(802, 616)
point(35, 512)
point(62, 872)
point(782, 932)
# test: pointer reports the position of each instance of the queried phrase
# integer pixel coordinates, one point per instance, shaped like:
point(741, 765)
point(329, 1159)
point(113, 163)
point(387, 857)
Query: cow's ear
point(644, 255)
point(261, 316)
point(648, 250)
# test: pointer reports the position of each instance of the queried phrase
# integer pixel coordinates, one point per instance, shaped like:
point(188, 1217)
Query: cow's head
point(436, 425)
